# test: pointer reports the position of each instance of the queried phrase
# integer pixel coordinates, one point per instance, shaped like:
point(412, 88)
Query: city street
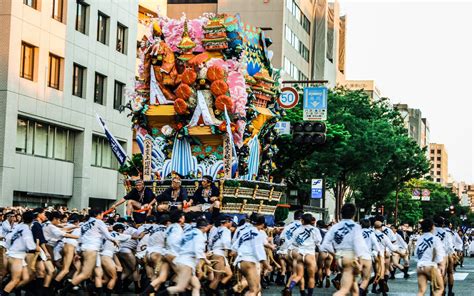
point(148, 145)
point(464, 278)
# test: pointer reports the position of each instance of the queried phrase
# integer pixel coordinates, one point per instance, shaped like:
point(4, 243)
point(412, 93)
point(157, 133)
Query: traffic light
point(452, 210)
point(309, 132)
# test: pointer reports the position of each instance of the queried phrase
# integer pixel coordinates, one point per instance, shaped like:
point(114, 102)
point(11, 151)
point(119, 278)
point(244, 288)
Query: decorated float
point(205, 104)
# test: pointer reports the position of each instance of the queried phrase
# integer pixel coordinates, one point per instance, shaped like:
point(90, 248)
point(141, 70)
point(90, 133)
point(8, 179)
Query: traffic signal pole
point(396, 206)
point(311, 132)
point(304, 81)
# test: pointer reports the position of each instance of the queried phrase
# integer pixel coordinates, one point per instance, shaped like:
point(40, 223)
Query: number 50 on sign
point(288, 98)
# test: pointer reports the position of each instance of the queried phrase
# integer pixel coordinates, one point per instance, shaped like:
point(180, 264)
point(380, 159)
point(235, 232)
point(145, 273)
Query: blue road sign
point(316, 188)
point(315, 103)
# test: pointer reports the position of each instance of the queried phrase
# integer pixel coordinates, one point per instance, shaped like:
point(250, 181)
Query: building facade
point(439, 163)
point(425, 135)
point(464, 191)
point(62, 63)
point(191, 8)
point(470, 196)
point(367, 85)
point(413, 123)
point(308, 35)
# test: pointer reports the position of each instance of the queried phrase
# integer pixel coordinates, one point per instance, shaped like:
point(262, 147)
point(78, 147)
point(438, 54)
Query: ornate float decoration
point(205, 102)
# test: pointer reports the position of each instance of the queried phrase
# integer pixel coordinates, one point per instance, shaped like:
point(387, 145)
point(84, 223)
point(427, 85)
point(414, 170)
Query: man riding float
point(138, 198)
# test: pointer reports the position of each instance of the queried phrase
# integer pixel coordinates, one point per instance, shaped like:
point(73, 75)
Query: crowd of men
point(185, 245)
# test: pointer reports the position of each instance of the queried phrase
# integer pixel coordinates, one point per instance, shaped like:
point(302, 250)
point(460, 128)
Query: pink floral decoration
point(237, 88)
point(238, 135)
point(196, 32)
point(173, 31)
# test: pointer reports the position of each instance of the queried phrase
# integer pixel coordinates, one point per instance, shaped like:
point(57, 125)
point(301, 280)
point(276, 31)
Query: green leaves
point(367, 150)
point(132, 167)
point(412, 211)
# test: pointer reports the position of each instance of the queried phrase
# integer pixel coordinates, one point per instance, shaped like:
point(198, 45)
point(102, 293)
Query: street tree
point(408, 161)
point(410, 211)
point(361, 141)
point(441, 198)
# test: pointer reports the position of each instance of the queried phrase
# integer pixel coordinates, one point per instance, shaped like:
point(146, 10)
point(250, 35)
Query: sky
point(419, 53)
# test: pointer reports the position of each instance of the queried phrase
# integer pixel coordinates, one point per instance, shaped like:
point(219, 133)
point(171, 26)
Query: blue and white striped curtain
point(182, 160)
point(254, 158)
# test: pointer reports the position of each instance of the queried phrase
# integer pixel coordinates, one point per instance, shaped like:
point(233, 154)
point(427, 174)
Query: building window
point(296, 43)
point(299, 15)
point(30, 3)
point(438, 165)
point(41, 139)
point(21, 132)
point(295, 11)
point(305, 23)
point(292, 38)
point(438, 152)
point(102, 155)
point(51, 137)
point(102, 26)
point(288, 34)
point(291, 69)
point(99, 89)
point(27, 63)
point(118, 94)
point(27, 200)
point(121, 38)
point(58, 10)
point(81, 17)
point(304, 52)
point(54, 71)
point(439, 158)
point(79, 76)
point(45, 140)
point(302, 76)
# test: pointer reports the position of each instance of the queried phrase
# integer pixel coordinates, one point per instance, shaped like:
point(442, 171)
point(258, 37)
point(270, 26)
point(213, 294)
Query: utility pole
point(396, 205)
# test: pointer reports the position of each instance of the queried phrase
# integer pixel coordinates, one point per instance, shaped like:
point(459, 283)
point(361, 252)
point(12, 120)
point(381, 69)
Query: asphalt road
point(463, 285)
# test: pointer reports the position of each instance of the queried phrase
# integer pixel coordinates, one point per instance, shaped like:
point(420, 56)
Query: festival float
point(205, 104)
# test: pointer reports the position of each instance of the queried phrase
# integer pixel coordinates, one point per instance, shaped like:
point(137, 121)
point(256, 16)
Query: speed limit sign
point(288, 98)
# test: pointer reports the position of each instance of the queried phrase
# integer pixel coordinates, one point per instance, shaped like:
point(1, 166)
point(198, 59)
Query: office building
point(470, 196)
point(425, 135)
point(413, 123)
point(439, 163)
point(367, 85)
point(308, 35)
point(63, 62)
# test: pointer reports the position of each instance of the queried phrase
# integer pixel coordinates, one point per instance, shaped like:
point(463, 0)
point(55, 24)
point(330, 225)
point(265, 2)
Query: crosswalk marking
point(458, 276)
point(400, 274)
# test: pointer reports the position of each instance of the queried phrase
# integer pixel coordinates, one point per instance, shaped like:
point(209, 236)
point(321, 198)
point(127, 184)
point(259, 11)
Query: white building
point(61, 62)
